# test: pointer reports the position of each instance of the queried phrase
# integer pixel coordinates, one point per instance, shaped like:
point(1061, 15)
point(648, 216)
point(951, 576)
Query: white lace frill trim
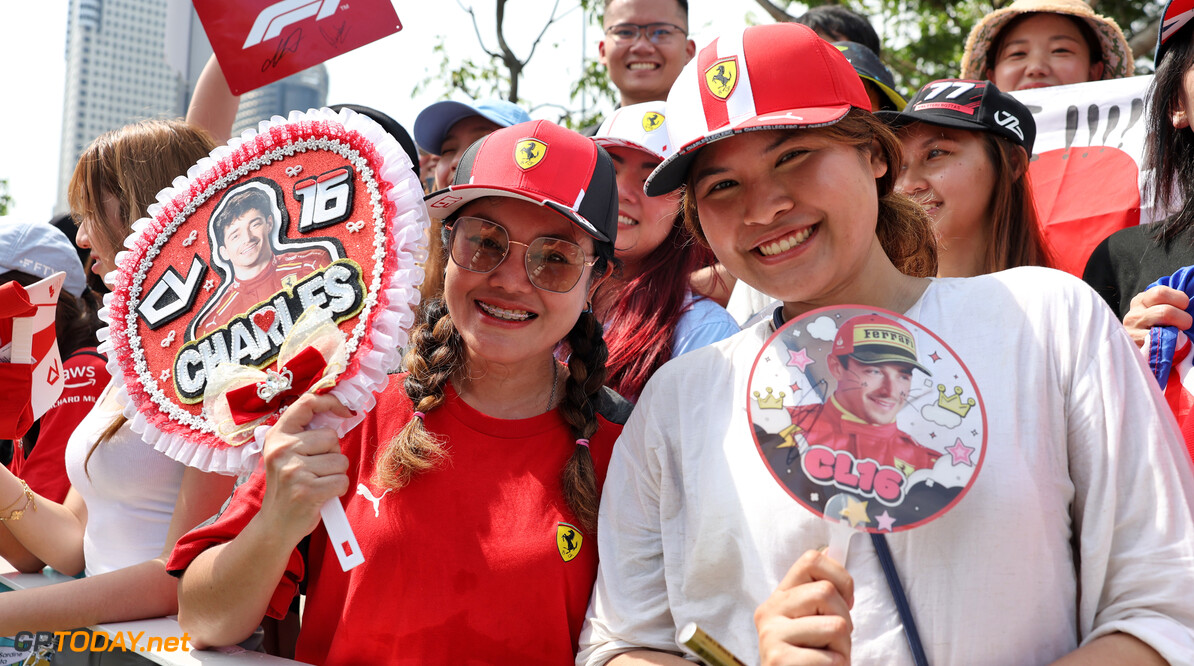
point(391, 291)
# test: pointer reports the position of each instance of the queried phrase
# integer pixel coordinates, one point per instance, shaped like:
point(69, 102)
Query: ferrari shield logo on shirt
point(722, 76)
point(568, 540)
point(652, 121)
point(529, 152)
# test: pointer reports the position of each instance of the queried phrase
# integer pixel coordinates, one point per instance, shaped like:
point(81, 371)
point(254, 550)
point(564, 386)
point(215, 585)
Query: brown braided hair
point(435, 352)
point(586, 376)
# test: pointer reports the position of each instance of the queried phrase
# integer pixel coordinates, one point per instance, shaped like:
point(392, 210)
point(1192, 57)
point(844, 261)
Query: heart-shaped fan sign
point(867, 419)
point(283, 263)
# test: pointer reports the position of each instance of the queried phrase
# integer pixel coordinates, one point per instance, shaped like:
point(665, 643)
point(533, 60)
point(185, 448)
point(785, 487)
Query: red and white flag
point(31, 376)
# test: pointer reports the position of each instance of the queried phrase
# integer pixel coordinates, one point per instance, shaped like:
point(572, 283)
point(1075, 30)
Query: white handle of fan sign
point(335, 521)
point(344, 542)
point(839, 542)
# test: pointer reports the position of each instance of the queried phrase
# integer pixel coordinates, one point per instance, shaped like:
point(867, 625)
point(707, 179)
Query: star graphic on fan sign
point(799, 359)
point(885, 520)
point(855, 512)
point(961, 453)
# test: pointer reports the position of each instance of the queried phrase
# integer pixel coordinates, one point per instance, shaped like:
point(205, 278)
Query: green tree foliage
point(5, 198)
point(500, 72)
point(923, 39)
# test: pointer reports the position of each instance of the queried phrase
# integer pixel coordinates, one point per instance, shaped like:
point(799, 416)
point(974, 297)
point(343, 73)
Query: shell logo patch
point(568, 540)
point(652, 121)
point(529, 152)
point(722, 77)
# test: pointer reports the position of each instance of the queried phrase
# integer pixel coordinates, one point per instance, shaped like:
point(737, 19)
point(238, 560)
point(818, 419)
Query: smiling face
point(1041, 50)
point(949, 172)
point(459, 137)
point(793, 214)
point(246, 243)
point(643, 222)
point(503, 318)
point(641, 70)
point(874, 393)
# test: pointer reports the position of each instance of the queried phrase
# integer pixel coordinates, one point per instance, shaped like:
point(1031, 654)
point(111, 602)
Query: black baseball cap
point(871, 70)
point(970, 105)
point(542, 163)
point(392, 127)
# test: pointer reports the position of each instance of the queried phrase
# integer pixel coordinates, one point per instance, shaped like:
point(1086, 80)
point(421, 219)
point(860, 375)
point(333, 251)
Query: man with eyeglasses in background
point(644, 48)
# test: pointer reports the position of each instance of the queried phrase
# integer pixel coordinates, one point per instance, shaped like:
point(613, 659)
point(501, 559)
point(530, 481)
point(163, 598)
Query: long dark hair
point(904, 229)
point(1169, 151)
point(643, 311)
point(436, 352)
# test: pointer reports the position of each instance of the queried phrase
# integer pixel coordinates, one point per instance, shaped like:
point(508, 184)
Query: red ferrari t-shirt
point(478, 561)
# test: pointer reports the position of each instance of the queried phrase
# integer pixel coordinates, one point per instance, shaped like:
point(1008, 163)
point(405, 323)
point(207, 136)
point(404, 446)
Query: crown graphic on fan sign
point(770, 401)
point(954, 402)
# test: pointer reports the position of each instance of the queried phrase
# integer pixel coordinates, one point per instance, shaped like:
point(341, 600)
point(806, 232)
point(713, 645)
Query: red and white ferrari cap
point(544, 164)
point(763, 77)
point(638, 126)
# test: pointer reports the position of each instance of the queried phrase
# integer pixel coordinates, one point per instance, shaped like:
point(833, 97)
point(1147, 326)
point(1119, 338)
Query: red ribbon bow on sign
point(257, 401)
point(238, 398)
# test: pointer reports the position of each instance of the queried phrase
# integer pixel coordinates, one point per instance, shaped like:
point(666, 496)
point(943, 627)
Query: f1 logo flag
point(261, 41)
point(31, 376)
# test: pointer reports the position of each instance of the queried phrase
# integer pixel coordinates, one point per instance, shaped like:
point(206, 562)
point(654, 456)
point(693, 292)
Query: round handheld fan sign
point(285, 262)
point(867, 419)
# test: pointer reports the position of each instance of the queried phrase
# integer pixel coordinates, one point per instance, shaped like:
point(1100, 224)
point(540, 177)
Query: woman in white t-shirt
point(128, 503)
point(1074, 544)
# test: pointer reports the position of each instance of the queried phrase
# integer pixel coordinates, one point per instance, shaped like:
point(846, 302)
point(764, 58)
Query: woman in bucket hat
point(1038, 43)
point(966, 146)
point(474, 480)
point(790, 180)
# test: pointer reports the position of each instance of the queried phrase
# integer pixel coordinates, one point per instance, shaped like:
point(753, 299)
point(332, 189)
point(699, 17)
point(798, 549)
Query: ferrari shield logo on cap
point(652, 120)
point(722, 76)
point(529, 152)
point(568, 540)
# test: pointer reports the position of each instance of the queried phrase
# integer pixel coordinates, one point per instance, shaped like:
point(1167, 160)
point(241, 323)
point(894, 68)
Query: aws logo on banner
point(273, 19)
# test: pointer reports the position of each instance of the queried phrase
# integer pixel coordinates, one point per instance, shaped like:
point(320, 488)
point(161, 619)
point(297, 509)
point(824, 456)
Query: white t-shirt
point(129, 487)
point(1081, 450)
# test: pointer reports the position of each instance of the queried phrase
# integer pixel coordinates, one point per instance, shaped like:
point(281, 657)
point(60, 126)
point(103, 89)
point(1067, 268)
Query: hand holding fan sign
point(284, 263)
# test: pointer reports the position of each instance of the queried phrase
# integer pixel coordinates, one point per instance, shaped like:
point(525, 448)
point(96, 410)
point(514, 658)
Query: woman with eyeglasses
point(474, 481)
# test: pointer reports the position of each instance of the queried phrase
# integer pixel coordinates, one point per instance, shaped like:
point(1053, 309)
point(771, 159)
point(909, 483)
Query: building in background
point(128, 60)
point(301, 91)
point(116, 73)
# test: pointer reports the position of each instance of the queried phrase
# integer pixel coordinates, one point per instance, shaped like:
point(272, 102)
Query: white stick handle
point(344, 542)
point(335, 521)
point(839, 543)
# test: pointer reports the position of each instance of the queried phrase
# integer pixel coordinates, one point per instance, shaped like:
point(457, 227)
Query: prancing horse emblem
point(568, 540)
point(652, 121)
point(722, 76)
point(529, 152)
